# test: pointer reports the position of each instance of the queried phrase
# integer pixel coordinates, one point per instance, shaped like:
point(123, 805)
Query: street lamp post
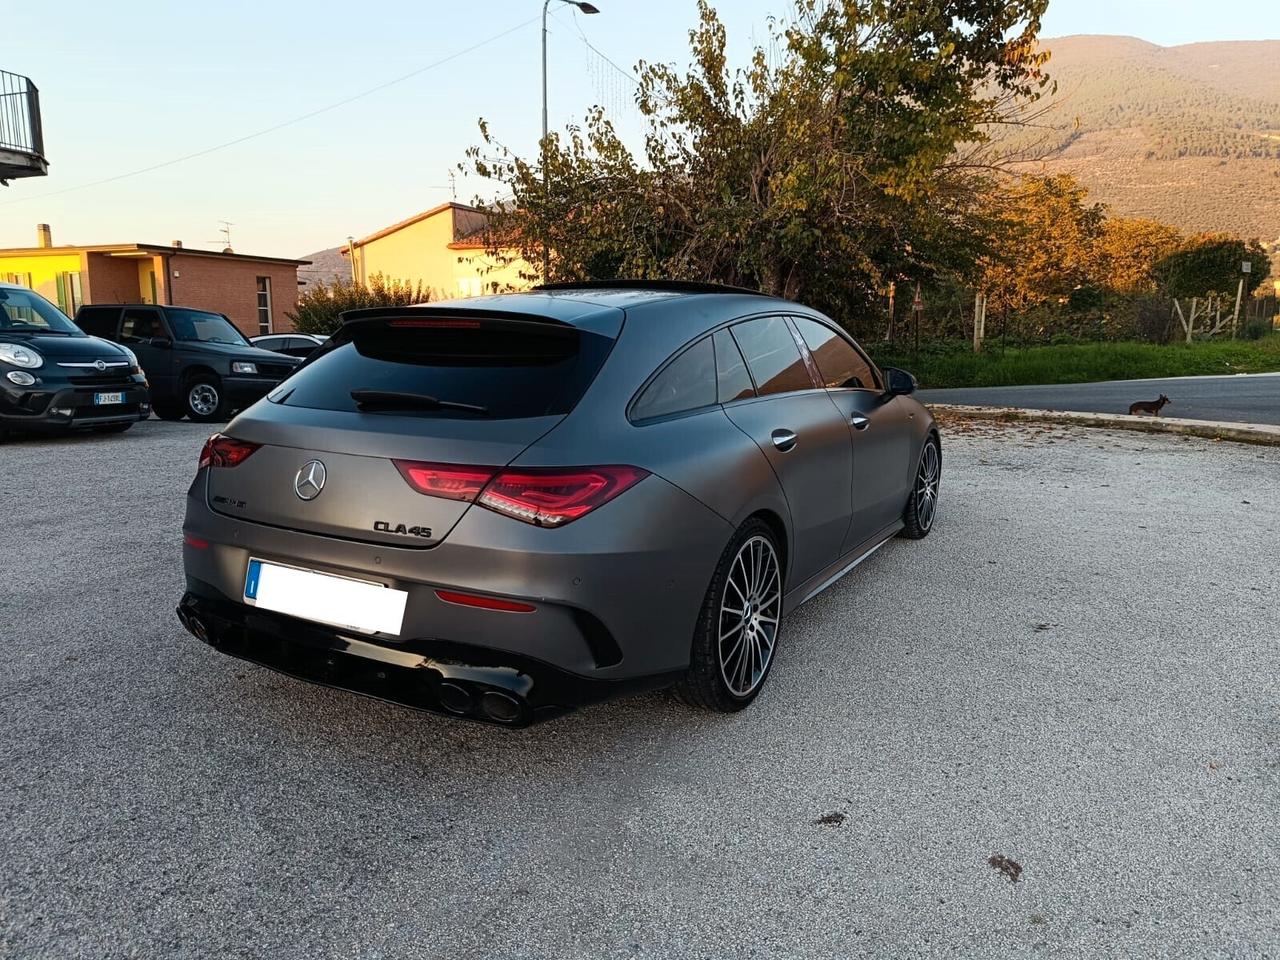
point(585, 8)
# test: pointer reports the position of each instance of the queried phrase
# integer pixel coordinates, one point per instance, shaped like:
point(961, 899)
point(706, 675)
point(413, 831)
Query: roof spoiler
point(672, 286)
point(428, 311)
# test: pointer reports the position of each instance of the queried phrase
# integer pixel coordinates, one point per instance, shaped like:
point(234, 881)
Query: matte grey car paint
point(641, 563)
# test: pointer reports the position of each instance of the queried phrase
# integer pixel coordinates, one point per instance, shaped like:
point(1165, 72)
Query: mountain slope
point(1189, 135)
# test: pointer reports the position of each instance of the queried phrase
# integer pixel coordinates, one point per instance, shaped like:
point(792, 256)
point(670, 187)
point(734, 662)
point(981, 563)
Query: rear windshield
point(511, 373)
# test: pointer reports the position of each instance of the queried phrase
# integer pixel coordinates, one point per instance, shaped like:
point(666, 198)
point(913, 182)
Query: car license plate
point(106, 399)
point(359, 605)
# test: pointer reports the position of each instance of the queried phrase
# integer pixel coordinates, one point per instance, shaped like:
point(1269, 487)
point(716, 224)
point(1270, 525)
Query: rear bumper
point(453, 679)
point(68, 407)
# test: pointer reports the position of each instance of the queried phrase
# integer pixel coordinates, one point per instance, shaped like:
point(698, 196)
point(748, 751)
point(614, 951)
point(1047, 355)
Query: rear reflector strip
point(484, 603)
point(195, 542)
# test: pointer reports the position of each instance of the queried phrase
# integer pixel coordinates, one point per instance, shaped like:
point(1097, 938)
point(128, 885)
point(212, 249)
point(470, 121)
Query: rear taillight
point(552, 497)
point(445, 479)
point(543, 496)
point(220, 451)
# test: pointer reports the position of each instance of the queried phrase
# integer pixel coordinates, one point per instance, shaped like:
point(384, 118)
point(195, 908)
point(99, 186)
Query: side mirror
point(162, 343)
point(898, 383)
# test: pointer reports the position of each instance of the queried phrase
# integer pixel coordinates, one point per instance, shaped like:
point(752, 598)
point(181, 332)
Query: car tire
point(203, 400)
point(113, 428)
point(724, 676)
point(922, 501)
point(168, 409)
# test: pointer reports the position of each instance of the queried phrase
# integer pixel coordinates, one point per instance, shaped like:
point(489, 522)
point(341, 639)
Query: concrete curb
point(1214, 430)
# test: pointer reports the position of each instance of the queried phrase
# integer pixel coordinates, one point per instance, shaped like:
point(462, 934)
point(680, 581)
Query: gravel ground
point(1076, 671)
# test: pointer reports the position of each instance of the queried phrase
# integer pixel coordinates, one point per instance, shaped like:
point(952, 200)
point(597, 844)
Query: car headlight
point(21, 378)
point(241, 367)
point(20, 356)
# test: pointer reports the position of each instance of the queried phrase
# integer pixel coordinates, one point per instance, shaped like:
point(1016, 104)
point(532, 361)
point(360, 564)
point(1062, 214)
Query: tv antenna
point(225, 230)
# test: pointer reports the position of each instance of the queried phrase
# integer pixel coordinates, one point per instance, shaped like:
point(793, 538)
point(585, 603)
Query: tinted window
point(686, 383)
point(772, 356)
point(25, 311)
point(513, 373)
point(731, 370)
point(196, 325)
point(98, 321)
point(270, 343)
point(141, 325)
point(838, 362)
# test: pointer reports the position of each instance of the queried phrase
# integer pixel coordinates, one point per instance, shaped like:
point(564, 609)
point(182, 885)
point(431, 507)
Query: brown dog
point(1148, 406)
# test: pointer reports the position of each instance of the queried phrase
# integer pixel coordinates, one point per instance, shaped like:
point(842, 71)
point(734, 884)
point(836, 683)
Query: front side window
point(686, 383)
point(838, 362)
point(772, 356)
point(196, 325)
point(140, 326)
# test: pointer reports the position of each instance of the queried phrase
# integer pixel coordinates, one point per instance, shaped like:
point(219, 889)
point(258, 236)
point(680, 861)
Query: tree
point(1045, 249)
point(1209, 265)
point(320, 308)
point(1129, 249)
point(853, 159)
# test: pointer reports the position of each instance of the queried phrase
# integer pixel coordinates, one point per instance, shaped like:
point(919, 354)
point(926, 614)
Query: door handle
point(859, 422)
point(783, 439)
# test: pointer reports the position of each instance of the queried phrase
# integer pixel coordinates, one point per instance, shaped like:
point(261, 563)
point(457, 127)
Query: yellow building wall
point(419, 253)
point(43, 271)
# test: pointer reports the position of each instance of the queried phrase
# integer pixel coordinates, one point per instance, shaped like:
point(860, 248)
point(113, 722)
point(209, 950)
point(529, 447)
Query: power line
point(279, 126)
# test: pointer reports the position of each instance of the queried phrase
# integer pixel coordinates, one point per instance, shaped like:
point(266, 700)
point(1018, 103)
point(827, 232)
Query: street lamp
point(585, 8)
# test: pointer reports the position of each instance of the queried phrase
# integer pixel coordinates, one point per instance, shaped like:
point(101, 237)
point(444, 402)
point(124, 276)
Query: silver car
point(505, 507)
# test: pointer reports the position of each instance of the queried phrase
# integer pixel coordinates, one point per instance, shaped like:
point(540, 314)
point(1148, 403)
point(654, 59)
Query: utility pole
point(351, 255)
point(585, 8)
point(888, 333)
point(917, 308)
point(1246, 266)
point(979, 320)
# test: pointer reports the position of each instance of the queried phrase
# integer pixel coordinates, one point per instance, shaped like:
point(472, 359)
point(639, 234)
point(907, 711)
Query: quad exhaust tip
point(455, 698)
point(501, 707)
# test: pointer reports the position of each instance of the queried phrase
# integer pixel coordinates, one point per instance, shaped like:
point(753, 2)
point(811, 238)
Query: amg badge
point(382, 526)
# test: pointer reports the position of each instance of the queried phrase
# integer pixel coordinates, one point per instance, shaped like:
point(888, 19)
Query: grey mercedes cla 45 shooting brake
point(505, 507)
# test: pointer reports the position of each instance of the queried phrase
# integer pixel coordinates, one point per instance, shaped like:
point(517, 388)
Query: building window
point(69, 298)
point(21, 279)
point(264, 305)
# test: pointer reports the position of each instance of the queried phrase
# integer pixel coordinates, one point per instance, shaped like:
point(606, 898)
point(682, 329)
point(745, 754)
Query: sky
point(355, 147)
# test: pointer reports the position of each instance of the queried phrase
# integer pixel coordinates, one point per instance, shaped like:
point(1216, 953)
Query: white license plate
point(358, 605)
point(106, 399)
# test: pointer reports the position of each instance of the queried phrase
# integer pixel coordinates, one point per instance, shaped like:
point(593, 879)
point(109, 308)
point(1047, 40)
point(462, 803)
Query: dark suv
point(199, 365)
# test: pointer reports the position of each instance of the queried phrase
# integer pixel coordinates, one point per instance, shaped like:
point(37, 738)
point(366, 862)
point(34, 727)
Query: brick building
point(254, 292)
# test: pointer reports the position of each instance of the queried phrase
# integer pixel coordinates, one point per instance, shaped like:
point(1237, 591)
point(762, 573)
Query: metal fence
point(20, 115)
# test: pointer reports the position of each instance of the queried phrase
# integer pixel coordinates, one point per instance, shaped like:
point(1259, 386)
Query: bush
point(1255, 329)
point(320, 308)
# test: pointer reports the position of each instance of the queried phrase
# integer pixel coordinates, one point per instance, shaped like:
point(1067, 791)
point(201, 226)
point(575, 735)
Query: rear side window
point(686, 383)
point(98, 321)
point(511, 370)
point(731, 370)
point(141, 325)
point(772, 356)
point(838, 362)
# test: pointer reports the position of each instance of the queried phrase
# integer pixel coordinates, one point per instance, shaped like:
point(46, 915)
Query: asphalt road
point(1252, 398)
point(1077, 671)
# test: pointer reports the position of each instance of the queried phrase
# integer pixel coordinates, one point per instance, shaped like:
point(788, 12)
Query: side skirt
point(832, 574)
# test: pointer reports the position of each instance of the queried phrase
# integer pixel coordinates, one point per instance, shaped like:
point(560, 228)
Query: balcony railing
point(21, 138)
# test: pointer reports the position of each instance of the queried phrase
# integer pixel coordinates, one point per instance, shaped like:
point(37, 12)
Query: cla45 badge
point(382, 526)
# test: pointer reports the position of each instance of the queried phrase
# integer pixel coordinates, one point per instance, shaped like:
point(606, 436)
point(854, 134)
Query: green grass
point(953, 364)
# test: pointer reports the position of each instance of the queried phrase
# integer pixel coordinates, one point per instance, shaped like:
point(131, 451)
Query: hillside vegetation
point(1189, 135)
